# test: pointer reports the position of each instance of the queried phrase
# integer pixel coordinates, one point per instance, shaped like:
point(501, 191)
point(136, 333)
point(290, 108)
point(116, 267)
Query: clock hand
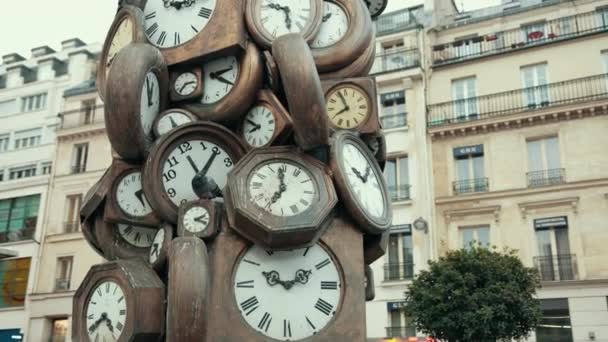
point(140, 196)
point(343, 100)
point(223, 80)
point(200, 219)
point(192, 164)
point(173, 123)
point(367, 172)
point(95, 325)
point(149, 92)
point(155, 249)
point(358, 174)
point(340, 112)
point(282, 187)
point(302, 276)
point(287, 11)
point(326, 17)
point(215, 74)
point(272, 278)
point(186, 84)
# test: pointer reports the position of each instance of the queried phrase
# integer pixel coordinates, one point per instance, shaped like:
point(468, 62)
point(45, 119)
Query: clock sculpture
point(245, 200)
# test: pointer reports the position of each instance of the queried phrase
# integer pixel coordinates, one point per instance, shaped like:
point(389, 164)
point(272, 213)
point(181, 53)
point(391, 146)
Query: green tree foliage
point(475, 294)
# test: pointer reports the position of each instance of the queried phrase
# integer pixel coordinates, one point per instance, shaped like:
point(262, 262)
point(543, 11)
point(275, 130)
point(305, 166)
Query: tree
point(475, 294)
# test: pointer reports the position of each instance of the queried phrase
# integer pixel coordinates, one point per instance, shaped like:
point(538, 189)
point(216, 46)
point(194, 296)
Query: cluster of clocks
point(245, 199)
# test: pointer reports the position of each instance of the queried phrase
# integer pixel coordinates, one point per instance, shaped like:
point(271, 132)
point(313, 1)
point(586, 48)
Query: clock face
point(122, 37)
point(196, 219)
point(287, 295)
point(137, 236)
point(157, 244)
point(282, 188)
point(188, 159)
point(150, 102)
point(259, 126)
point(363, 180)
point(220, 77)
point(130, 196)
point(185, 84)
point(286, 16)
point(347, 107)
point(106, 312)
point(170, 23)
point(334, 26)
point(171, 120)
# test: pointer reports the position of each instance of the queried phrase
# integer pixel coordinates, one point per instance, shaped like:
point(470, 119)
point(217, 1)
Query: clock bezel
point(359, 68)
point(215, 210)
point(114, 246)
point(367, 87)
point(161, 261)
point(166, 112)
point(283, 123)
point(174, 96)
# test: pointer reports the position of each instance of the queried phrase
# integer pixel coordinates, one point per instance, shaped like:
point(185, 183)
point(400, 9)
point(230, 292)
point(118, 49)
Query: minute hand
point(208, 164)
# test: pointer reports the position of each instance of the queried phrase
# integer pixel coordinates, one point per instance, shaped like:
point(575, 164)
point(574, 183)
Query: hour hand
point(140, 196)
point(272, 278)
point(302, 276)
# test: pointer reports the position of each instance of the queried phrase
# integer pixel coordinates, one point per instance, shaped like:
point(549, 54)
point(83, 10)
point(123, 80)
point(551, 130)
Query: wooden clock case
point(367, 85)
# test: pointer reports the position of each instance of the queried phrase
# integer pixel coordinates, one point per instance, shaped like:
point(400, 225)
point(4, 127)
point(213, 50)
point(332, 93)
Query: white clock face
point(282, 188)
point(185, 84)
point(106, 312)
point(150, 102)
point(196, 219)
point(286, 16)
point(186, 161)
point(122, 37)
point(287, 295)
point(170, 23)
point(220, 77)
point(259, 126)
point(171, 120)
point(333, 26)
point(364, 182)
point(157, 245)
point(137, 236)
point(130, 196)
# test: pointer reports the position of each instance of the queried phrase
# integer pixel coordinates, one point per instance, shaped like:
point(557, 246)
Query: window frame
point(475, 229)
point(399, 184)
point(21, 272)
point(467, 106)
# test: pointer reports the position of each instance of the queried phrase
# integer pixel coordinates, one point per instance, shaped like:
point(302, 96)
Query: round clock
point(229, 86)
point(360, 183)
point(348, 106)
point(270, 19)
point(375, 7)
point(346, 32)
point(170, 119)
point(123, 241)
point(182, 158)
point(160, 247)
point(265, 123)
point(288, 295)
point(106, 312)
point(136, 93)
point(186, 84)
point(126, 28)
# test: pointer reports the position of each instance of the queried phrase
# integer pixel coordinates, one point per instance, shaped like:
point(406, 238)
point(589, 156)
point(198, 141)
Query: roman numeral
point(261, 176)
point(151, 15)
point(265, 322)
point(306, 251)
point(294, 209)
point(161, 38)
point(269, 252)
point(329, 285)
point(250, 305)
point(204, 12)
point(123, 312)
point(297, 172)
point(119, 326)
point(248, 284)
point(340, 122)
point(152, 30)
point(137, 237)
point(304, 202)
point(107, 287)
point(324, 306)
point(286, 328)
point(194, 28)
point(251, 262)
point(347, 123)
point(99, 292)
point(283, 168)
point(310, 323)
point(90, 316)
point(176, 39)
point(120, 299)
point(322, 264)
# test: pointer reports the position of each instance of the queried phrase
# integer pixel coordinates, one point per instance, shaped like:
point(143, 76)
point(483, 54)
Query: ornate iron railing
point(470, 185)
point(557, 267)
point(81, 117)
point(546, 177)
point(399, 271)
point(399, 192)
point(396, 60)
point(393, 121)
point(400, 331)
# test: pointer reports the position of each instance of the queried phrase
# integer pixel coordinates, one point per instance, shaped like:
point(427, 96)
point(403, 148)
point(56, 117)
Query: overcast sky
point(28, 24)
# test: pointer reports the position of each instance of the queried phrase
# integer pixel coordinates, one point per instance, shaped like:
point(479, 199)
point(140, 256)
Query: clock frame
point(298, 71)
point(271, 73)
point(87, 227)
point(375, 246)
point(370, 288)
point(161, 250)
point(282, 120)
point(215, 211)
point(144, 294)
point(125, 83)
point(156, 126)
point(377, 145)
point(174, 96)
point(359, 68)
point(114, 246)
point(268, 230)
point(95, 197)
point(232, 106)
point(367, 87)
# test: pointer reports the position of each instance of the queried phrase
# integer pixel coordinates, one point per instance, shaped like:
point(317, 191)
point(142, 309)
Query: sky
point(28, 24)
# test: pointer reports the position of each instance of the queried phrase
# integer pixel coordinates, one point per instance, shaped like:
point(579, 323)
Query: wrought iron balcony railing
point(393, 121)
point(398, 271)
point(400, 331)
point(78, 169)
point(396, 60)
point(470, 185)
point(395, 22)
point(557, 267)
point(62, 284)
point(509, 40)
point(81, 117)
point(71, 227)
point(399, 192)
point(519, 100)
point(546, 177)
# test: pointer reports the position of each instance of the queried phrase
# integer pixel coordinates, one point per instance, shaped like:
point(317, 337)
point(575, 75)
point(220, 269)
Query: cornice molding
point(560, 202)
point(489, 210)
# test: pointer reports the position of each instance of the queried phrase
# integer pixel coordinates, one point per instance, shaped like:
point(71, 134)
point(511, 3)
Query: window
point(470, 170)
point(79, 159)
point(536, 91)
point(88, 112)
point(59, 332)
point(397, 178)
point(555, 323)
point(464, 92)
point(47, 168)
point(63, 273)
point(8, 107)
point(18, 218)
point(29, 138)
point(13, 281)
point(468, 46)
point(33, 103)
point(393, 112)
point(73, 209)
point(602, 14)
point(544, 164)
point(4, 139)
point(475, 236)
point(534, 32)
point(392, 58)
point(401, 325)
point(1, 175)
point(554, 260)
point(22, 172)
point(400, 265)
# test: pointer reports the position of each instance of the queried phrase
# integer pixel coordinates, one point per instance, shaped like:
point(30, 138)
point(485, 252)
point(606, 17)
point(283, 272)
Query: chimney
point(42, 51)
point(50, 67)
point(71, 43)
point(12, 58)
point(17, 75)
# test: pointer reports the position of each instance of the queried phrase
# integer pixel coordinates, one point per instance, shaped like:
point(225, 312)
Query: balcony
point(557, 267)
point(399, 192)
point(393, 120)
point(395, 22)
point(546, 177)
point(520, 38)
point(400, 332)
point(395, 60)
point(81, 117)
point(398, 271)
point(78, 169)
point(62, 285)
point(466, 186)
point(71, 227)
point(521, 100)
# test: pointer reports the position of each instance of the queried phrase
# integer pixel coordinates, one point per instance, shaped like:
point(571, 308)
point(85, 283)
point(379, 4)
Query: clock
point(186, 84)
point(183, 162)
point(127, 28)
point(297, 69)
point(136, 94)
point(351, 104)
point(280, 198)
point(359, 68)
point(266, 122)
point(360, 183)
point(308, 279)
point(170, 119)
point(122, 240)
point(230, 84)
point(370, 290)
point(267, 19)
point(119, 301)
point(194, 29)
point(346, 32)
point(375, 7)
point(375, 246)
point(160, 247)
point(201, 218)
